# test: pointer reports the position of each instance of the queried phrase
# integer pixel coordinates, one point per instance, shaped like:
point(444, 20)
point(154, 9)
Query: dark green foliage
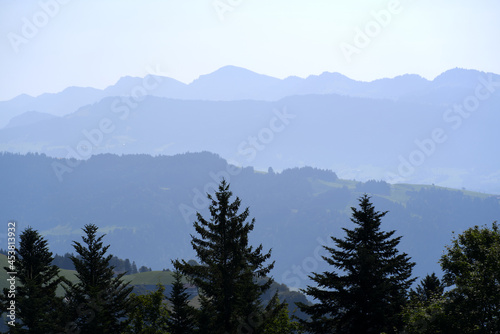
point(37, 307)
point(150, 314)
point(279, 321)
point(427, 317)
point(205, 319)
point(425, 311)
point(429, 288)
point(228, 267)
point(367, 290)
point(99, 302)
point(472, 271)
point(182, 316)
point(471, 267)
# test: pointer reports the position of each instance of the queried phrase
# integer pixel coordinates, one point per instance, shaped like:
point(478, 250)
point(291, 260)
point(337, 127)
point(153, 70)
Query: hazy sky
point(48, 45)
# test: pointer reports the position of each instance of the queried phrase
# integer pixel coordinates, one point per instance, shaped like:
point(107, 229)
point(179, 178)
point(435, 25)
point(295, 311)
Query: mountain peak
point(232, 69)
point(234, 83)
point(231, 73)
point(457, 77)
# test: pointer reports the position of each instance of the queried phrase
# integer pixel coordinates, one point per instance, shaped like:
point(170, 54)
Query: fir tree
point(99, 302)
point(229, 293)
point(181, 320)
point(38, 309)
point(368, 288)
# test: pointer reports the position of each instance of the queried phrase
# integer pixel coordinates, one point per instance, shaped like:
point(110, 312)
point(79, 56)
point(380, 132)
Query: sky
point(48, 45)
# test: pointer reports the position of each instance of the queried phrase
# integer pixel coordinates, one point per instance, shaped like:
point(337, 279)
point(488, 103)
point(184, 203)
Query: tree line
point(119, 265)
point(368, 290)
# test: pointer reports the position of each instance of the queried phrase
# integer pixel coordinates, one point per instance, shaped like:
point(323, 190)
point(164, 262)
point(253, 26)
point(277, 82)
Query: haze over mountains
point(232, 83)
point(407, 128)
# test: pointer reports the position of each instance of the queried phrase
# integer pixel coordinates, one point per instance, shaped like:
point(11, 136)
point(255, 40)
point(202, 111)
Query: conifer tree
point(425, 311)
point(38, 309)
point(430, 287)
point(226, 275)
point(279, 318)
point(134, 268)
point(181, 320)
point(99, 302)
point(369, 285)
point(127, 267)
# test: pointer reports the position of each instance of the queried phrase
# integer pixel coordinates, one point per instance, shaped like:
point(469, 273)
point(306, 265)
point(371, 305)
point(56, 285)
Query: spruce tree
point(181, 320)
point(369, 285)
point(99, 302)
point(38, 309)
point(226, 275)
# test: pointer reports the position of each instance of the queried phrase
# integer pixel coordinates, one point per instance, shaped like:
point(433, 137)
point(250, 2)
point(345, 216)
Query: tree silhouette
point(99, 302)
point(228, 267)
point(181, 320)
point(366, 291)
point(38, 309)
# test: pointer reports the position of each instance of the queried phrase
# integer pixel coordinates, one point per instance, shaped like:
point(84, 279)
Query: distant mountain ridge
point(231, 83)
point(404, 129)
point(359, 138)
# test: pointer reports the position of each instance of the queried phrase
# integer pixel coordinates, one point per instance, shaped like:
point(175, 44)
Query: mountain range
point(232, 83)
point(404, 129)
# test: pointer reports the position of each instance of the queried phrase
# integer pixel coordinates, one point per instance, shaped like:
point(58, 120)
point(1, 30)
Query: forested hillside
point(147, 207)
